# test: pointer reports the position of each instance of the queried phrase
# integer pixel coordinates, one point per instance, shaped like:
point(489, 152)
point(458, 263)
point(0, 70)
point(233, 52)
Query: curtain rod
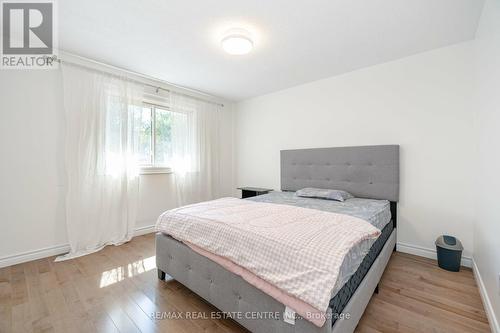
point(135, 80)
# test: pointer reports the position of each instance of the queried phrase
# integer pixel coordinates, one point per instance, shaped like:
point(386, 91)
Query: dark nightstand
point(247, 192)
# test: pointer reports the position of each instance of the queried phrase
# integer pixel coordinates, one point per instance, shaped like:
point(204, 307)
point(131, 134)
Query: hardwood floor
point(116, 290)
point(415, 295)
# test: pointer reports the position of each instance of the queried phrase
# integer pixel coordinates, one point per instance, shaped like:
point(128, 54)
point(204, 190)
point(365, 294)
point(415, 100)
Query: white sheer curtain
point(102, 180)
point(195, 148)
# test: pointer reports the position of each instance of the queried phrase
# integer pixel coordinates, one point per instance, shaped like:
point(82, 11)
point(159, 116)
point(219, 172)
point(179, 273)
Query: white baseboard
point(427, 253)
point(495, 328)
point(144, 230)
point(34, 255)
point(55, 250)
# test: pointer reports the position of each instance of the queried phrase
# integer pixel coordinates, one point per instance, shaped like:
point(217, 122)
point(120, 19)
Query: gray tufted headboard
point(364, 171)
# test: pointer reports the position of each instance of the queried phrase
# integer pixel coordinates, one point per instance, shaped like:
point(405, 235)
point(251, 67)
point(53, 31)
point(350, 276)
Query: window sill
point(154, 170)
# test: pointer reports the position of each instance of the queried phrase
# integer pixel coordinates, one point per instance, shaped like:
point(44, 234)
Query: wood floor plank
point(18, 285)
point(5, 299)
point(64, 274)
point(39, 310)
point(415, 295)
point(116, 290)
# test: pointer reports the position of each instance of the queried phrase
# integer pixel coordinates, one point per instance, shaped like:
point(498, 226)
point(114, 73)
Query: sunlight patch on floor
point(130, 270)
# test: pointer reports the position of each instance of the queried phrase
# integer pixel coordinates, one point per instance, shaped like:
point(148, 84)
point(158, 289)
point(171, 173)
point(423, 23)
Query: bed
point(370, 173)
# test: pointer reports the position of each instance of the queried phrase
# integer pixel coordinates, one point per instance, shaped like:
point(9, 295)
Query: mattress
point(340, 300)
point(377, 212)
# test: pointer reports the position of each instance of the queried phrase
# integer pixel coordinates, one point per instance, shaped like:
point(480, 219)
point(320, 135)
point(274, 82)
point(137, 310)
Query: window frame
point(153, 168)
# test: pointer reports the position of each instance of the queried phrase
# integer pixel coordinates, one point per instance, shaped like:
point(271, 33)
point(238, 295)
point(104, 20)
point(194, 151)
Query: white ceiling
point(296, 41)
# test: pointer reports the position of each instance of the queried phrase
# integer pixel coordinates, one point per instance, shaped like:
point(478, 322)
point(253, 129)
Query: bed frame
point(364, 171)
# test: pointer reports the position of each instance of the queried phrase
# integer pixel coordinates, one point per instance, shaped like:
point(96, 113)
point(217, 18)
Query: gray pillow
point(322, 193)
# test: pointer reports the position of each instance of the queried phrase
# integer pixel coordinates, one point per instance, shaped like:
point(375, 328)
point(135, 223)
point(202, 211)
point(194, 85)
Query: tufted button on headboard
point(363, 171)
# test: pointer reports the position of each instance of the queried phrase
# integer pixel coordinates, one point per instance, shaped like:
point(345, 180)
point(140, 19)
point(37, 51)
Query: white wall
point(487, 228)
point(422, 103)
point(32, 211)
point(31, 168)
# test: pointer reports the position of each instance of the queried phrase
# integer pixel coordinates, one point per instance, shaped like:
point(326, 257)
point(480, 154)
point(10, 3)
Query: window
point(153, 138)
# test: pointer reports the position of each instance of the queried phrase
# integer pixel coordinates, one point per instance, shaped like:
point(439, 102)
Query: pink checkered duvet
point(298, 251)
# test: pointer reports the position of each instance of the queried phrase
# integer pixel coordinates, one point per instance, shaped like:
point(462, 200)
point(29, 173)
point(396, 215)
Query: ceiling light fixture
point(237, 42)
